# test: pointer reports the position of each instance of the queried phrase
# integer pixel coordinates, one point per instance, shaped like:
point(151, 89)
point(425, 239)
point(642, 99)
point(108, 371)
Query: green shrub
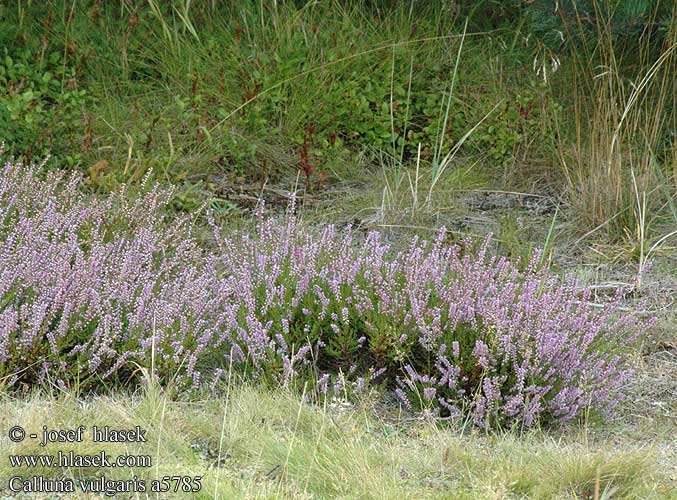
point(42, 108)
point(584, 23)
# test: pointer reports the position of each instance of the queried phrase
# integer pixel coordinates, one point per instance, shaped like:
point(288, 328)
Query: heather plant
point(93, 289)
point(87, 286)
point(450, 329)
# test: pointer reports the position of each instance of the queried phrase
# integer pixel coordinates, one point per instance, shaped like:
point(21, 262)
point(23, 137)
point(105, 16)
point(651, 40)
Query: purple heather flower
point(98, 285)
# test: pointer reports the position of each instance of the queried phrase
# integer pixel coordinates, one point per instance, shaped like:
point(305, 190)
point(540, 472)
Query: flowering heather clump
point(451, 329)
point(88, 288)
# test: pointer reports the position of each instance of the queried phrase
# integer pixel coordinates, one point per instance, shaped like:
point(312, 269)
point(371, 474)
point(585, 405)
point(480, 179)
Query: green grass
point(253, 443)
point(236, 89)
point(224, 96)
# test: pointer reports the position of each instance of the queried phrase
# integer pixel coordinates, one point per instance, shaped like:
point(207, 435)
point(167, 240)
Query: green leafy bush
point(578, 23)
point(42, 108)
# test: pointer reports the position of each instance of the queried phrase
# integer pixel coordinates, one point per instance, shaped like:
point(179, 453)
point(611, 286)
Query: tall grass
point(623, 148)
point(238, 86)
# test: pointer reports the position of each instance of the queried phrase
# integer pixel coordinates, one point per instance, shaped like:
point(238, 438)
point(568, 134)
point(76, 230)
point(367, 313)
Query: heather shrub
point(86, 285)
point(449, 329)
point(91, 290)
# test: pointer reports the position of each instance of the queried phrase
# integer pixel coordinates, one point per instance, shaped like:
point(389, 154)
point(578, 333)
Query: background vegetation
point(222, 96)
